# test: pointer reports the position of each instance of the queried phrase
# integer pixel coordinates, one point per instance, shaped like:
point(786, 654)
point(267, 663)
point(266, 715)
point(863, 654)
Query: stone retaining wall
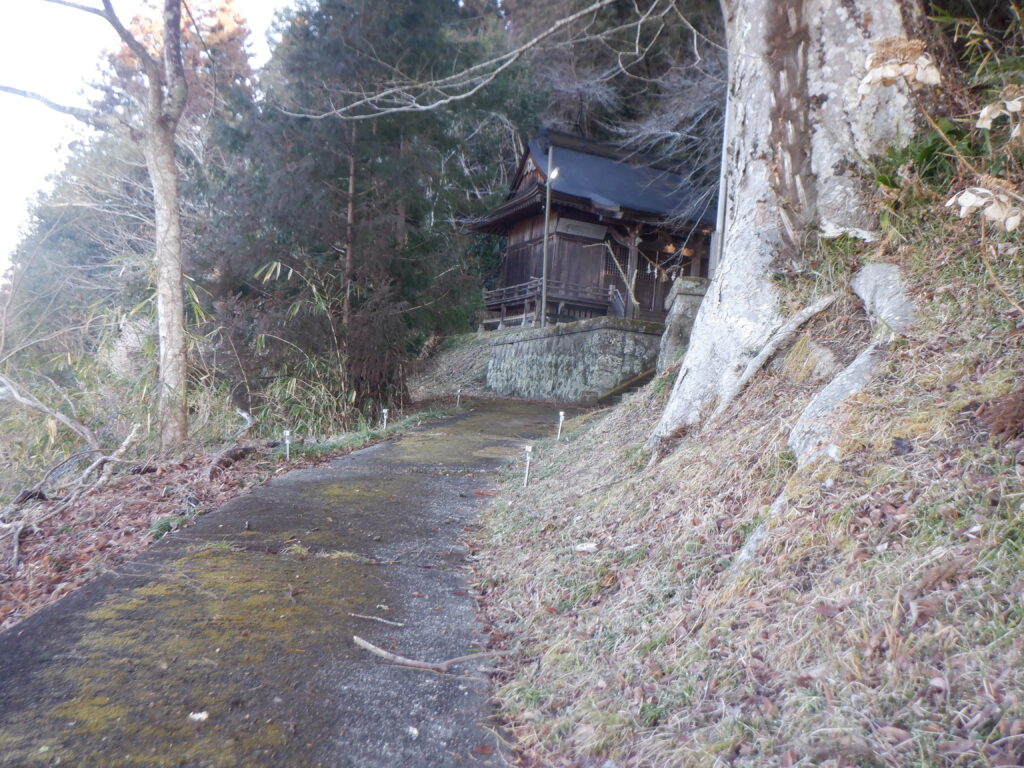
point(573, 362)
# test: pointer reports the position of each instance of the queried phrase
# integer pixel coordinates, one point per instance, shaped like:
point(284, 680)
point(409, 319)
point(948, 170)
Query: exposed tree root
point(780, 338)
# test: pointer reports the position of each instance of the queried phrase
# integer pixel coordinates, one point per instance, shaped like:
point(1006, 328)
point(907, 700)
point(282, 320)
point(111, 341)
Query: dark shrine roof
point(610, 182)
point(604, 179)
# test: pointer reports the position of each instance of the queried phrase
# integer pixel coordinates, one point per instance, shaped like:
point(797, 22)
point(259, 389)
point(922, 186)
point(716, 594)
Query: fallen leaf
point(924, 609)
point(482, 749)
point(941, 572)
point(827, 610)
point(957, 746)
point(893, 734)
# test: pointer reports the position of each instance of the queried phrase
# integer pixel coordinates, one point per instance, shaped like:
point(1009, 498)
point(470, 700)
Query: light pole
point(551, 176)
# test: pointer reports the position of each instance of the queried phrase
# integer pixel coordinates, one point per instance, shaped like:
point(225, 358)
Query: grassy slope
point(880, 622)
point(459, 363)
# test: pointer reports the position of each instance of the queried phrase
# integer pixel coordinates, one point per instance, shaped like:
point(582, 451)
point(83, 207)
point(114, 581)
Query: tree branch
point(85, 115)
point(462, 85)
point(144, 57)
point(10, 393)
point(442, 666)
point(79, 7)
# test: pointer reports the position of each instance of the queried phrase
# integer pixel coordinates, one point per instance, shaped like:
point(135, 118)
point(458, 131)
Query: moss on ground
point(220, 620)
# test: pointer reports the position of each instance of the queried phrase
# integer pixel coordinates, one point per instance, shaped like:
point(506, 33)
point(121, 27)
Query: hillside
point(878, 621)
point(458, 363)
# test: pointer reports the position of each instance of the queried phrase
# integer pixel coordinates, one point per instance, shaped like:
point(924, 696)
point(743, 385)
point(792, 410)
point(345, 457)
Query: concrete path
point(230, 643)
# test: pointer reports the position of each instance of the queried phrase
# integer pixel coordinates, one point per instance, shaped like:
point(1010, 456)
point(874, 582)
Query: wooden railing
point(558, 291)
point(520, 304)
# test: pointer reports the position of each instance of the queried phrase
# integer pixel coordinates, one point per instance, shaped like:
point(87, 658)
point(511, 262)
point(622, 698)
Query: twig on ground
point(115, 457)
point(14, 547)
point(106, 462)
point(992, 272)
point(442, 666)
point(378, 618)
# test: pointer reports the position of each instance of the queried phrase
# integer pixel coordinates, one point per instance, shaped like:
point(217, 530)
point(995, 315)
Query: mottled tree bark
point(165, 101)
point(350, 238)
point(797, 138)
point(170, 300)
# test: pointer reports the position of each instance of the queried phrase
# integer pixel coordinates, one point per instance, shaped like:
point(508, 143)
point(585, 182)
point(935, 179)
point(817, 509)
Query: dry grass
point(460, 362)
point(880, 620)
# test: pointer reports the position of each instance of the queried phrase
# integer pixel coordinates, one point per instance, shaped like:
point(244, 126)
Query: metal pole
point(287, 445)
point(385, 412)
point(526, 475)
point(718, 238)
point(561, 420)
point(544, 250)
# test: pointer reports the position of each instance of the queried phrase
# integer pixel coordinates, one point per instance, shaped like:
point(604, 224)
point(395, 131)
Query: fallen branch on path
point(442, 666)
point(378, 618)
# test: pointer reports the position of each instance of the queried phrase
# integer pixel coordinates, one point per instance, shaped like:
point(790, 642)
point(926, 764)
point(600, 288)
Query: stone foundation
point(682, 303)
point(573, 362)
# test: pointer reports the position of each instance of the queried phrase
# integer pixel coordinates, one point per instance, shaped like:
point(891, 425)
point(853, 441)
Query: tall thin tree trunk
point(165, 96)
point(796, 141)
point(401, 231)
point(350, 222)
point(172, 413)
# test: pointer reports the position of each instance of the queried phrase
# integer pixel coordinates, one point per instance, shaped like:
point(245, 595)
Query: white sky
point(52, 50)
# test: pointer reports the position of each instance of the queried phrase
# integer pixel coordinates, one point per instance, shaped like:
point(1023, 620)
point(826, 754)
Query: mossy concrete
point(247, 617)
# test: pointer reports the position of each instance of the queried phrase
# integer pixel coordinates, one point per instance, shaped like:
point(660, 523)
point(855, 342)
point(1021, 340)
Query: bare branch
point(148, 62)
point(9, 392)
point(79, 7)
point(85, 115)
point(441, 666)
point(405, 97)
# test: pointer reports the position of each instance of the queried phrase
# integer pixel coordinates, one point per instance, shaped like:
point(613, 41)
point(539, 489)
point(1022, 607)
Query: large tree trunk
point(163, 172)
point(796, 138)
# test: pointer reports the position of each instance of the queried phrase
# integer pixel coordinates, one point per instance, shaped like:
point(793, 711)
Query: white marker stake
point(458, 397)
point(561, 419)
point(529, 454)
point(287, 445)
point(385, 412)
